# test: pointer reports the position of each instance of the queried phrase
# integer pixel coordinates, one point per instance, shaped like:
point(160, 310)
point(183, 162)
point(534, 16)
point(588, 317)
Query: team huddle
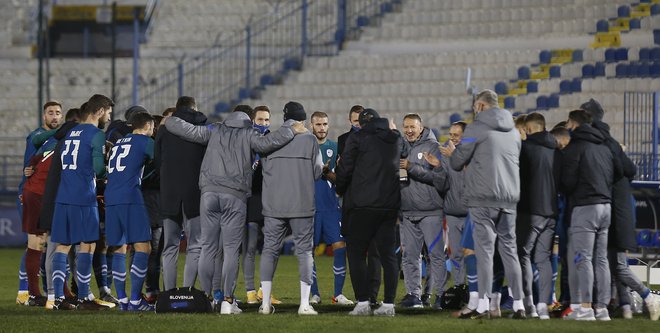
point(487, 204)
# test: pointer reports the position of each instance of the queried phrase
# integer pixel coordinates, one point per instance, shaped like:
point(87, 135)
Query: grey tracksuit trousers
point(172, 238)
point(455, 226)
point(221, 212)
point(535, 246)
point(588, 233)
point(218, 282)
point(249, 254)
point(274, 232)
point(492, 224)
point(415, 232)
point(623, 277)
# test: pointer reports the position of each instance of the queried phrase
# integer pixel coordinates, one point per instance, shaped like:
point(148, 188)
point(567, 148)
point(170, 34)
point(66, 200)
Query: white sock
point(266, 287)
point(518, 305)
point(474, 300)
point(387, 305)
point(365, 303)
point(495, 301)
point(107, 290)
point(124, 300)
point(541, 306)
point(529, 300)
point(483, 305)
point(51, 297)
point(135, 302)
point(575, 306)
point(90, 296)
point(305, 290)
point(626, 308)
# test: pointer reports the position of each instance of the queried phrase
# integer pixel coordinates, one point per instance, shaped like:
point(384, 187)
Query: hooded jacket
point(587, 171)
point(490, 152)
point(453, 190)
point(178, 162)
point(539, 173)
point(419, 196)
point(289, 175)
point(230, 151)
point(368, 172)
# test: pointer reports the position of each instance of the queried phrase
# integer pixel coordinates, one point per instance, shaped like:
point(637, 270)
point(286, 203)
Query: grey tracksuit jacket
point(455, 204)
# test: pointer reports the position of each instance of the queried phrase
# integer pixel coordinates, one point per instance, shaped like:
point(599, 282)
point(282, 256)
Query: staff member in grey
point(490, 153)
point(288, 198)
point(225, 182)
point(421, 206)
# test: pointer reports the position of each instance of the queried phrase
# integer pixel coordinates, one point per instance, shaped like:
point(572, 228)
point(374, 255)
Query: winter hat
point(367, 115)
point(133, 110)
point(594, 109)
point(295, 111)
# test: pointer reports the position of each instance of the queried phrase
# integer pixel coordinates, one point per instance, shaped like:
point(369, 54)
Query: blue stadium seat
point(553, 101)
point(610, 55)
point(454, 118)
point(621, 54)
point(501, 88)
point(244, 93)
point(542, 102)
point(644, 238)
point(623, 11)
point(266, 80)
point(516, 114)
point(655, 9)
point(565, 87)
point(643, 69)
point(221, 107)
point(602, 26)
point(644, 54)
point(545, 56)
point(532, 87)
point(386, 8)
point(555, 71)
point(633, 69)
point(599, 69)
point(656, 238)
point(635, 24)
point(578, 55)
point(362, 21)
point(621, 70)
point(655, 70)
point(510, 102)
point(655, 54)
point(588, 71)
point(524, 73)
point(292, 64)
point(656, 36)
point(576, 85)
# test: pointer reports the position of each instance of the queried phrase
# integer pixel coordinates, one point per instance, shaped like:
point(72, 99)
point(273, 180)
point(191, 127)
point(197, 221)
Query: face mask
point(261, 128)
point(355, 128)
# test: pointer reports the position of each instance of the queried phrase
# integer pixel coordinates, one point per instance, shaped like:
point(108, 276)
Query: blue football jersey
point(324, 191)
point(125, 168)
point(82, 145)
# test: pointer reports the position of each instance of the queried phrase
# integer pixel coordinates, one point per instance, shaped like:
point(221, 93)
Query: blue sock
point(470, 263)
point(22, 275)
point(339, 268)
point(119, 274)
point(84, 274)
point(218, 295)
point(315, 284)
point(108, 263)
point(59, 273)
point(554, 261)
point(42, 272)
point(138, 273)
point(646, 293)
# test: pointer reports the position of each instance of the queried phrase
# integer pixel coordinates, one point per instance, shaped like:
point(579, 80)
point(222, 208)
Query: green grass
point(14, 318)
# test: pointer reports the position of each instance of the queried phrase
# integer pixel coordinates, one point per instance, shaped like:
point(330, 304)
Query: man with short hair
point(537, 211)
point(421, 209)
point(327, 219)
point(353, 115)
point(490, 155)
point(76, 216)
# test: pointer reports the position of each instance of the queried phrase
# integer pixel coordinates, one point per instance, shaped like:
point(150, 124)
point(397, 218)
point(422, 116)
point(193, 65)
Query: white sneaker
point(307, 311)
point(602, 314)
point(653, 305)
point(361, 310)
point(586, 314)
point(342, 300)
point(385, 310)
point(627, 313)
point(315, 299)
point(229, 308)
point(265, 311)
point(542, 311)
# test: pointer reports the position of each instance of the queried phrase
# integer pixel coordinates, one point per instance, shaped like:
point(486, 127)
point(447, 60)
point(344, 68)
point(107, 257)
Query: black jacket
point(341, 141)
point(178, 163)
point(538, 175)
point(254, 205)
point(368, 172)
point(588, 169)
point(117, 130)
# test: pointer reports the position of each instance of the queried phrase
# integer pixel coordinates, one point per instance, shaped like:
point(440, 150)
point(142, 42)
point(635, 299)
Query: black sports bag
point(183, 300)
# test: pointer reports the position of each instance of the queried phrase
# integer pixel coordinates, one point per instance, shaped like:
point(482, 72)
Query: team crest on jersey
point(329, 152)
point(419, 156)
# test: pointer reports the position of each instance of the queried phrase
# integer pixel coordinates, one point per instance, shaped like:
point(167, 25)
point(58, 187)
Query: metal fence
point(262, 53)
point(640, 132)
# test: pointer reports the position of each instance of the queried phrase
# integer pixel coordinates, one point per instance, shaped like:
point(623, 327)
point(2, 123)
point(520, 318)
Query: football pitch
point(331, 318)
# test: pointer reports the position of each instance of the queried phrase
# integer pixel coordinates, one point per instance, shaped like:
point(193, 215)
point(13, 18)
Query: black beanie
point(295, 111)
point(367, 115)
point(133, 110)
point(594, 109)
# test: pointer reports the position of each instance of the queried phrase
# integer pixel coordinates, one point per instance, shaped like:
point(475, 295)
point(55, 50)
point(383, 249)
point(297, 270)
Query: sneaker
point(495, 313)
point(50, 305)
point(123, 306)
point(86, 304)
point(542, 311)
point(315, 299)
point(142, 306)
point(520, 314)
point(229, 308)
point(627, 313)
point(437, 305)
point(62, 304)
point(37, 301)
point(586, 314)
point(653, 305)
point(106, 297)
point(341, 300)
point(426, 300)
point(602, 314)
point(361, 310)
point(108, 305)
point(531, 312)
point(411, 301)
point(307, 311)
point(151, 298)
point(273, 300)
point(265, 311)
point(385, 310)
point(22, 297)
point(476, 315)
point(464, 313)
point(252, 297)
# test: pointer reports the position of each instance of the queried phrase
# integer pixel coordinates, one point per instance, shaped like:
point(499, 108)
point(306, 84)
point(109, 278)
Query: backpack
point(455, 297)
point(183, 300)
